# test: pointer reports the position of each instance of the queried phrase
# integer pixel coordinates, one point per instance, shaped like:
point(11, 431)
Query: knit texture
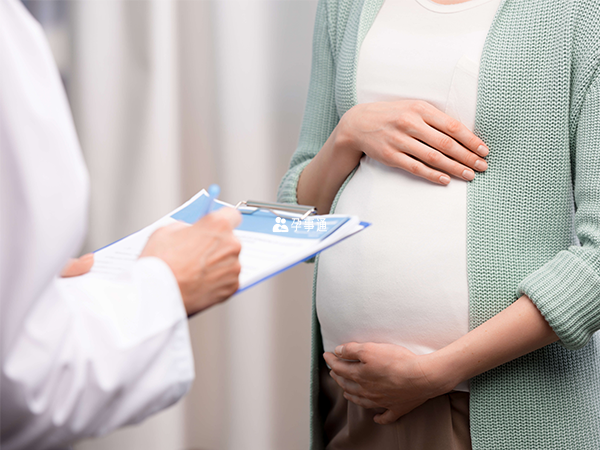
point(533, 221)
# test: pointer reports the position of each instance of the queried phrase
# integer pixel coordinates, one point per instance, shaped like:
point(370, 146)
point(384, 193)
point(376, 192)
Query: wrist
point(344, 141)
point(441, 373)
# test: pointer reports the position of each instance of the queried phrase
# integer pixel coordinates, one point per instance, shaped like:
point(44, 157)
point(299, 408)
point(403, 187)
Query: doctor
point(81, 359)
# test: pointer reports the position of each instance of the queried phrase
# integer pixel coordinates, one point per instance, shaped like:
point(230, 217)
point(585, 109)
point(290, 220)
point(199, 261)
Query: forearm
point(516, 331)
point(325, 174)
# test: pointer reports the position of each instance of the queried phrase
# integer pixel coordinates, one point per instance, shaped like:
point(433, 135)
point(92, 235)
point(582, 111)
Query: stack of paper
point(270, 243)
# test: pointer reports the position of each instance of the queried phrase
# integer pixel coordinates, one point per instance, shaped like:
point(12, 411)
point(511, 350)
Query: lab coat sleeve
point(80, 356)
point(95, 355)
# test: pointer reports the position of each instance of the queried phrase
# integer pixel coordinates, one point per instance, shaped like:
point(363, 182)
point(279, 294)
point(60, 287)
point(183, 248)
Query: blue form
point(260, 221)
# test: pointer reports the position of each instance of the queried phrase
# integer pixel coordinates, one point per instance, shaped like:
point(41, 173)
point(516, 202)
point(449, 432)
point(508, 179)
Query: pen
point(213, 192)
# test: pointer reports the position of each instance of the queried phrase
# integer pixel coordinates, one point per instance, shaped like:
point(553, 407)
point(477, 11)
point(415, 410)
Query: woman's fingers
point(455, 129)
point(433, 160)
point(351, 351)
point(414, 136)
point(345, 369)
point(349, 386)
point(361, 401)
point(417, 168)
point(435, 148)
point(386, 418)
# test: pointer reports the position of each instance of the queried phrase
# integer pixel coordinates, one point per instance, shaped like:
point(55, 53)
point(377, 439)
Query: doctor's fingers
point(225, 219)
point(224, 274)
point(210, 245)
point(216, 284)
point(224, 263)
point(224, 247)
point(78, 266)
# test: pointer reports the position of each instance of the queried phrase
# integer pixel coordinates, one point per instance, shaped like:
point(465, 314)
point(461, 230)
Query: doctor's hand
point(203, 257)
point(78, 266)
point(414, 136)
point(384, 376)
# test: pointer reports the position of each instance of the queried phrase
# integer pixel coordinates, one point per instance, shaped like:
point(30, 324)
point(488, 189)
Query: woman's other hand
point(415, 136)
point(384, 376)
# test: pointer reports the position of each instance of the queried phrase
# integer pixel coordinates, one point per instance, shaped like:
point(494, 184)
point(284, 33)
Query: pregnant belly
point(403, 280)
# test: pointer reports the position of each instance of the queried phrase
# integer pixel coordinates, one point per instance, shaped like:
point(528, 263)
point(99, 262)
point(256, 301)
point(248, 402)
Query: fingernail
point(483, 150)
point(339, 349)
point(481, 165)
point(468, 174)
point(87, 256)
point(444, 179)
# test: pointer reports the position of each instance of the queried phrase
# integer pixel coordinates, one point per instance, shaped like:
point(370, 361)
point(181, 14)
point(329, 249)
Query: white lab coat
point(79, 357)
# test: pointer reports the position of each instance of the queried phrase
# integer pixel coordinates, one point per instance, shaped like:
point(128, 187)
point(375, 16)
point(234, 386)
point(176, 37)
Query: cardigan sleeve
point(320, 115)
point(566, 290)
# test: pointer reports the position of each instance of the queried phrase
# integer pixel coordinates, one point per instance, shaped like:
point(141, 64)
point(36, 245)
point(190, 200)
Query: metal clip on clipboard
point(277, 209)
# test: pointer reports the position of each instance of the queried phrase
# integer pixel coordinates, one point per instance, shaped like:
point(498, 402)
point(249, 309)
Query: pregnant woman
point(465, 316)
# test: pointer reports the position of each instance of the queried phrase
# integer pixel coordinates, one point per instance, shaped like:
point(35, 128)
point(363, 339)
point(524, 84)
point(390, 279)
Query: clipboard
point(270, 244)
point(301, 212)
point(285, 210)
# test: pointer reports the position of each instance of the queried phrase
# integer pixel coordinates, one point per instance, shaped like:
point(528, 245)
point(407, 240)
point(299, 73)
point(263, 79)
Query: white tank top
point(404, 280)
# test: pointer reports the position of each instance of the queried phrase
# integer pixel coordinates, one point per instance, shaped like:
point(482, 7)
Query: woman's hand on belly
point(384, 376)
point(411, 135)
point(390, 376)
point(414, 136)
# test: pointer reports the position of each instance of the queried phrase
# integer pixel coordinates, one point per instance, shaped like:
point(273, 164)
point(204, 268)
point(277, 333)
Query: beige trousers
point(441, 423)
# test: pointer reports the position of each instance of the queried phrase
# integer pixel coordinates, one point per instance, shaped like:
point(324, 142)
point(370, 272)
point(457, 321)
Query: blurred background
point(169, 96)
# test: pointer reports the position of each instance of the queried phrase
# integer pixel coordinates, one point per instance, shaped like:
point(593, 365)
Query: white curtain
point(169, 97)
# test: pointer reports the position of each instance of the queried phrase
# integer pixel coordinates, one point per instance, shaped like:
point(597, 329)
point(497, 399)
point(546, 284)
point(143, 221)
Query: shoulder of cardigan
point(583, 23)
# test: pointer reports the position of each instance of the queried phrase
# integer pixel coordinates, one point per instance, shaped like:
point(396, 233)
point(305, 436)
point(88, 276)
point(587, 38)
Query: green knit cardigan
point(533, 221)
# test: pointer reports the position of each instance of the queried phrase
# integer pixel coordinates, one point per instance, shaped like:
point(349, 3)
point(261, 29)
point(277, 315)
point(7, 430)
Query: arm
point(97, 354)
point(93, 356)
point(567, 289)
point(320, 115)
point(321, 180)
point(516, 331)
